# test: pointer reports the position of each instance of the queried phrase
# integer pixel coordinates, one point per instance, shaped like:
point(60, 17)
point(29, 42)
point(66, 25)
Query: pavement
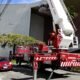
point(26, 73)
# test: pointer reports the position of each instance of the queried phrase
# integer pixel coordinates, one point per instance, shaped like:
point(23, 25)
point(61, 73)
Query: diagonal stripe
point(69, 64)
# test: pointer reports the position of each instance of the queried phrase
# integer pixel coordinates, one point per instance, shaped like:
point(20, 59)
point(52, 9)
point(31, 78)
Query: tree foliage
point(73, 7)
point(18, 39)
point(72, 11)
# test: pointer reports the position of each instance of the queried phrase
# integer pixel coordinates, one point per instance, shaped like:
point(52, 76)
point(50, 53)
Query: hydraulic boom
point(64, 26)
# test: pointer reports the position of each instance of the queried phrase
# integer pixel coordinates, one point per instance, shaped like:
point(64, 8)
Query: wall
point(15, 19)
point(5, 51)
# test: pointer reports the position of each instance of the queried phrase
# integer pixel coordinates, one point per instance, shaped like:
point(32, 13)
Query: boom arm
point(65, 27)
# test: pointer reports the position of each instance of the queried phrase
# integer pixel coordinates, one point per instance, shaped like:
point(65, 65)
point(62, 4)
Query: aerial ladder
point(62, 39)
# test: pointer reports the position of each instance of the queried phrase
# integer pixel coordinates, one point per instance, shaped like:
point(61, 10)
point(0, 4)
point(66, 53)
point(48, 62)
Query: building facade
point(17, 18)
point(25, 19)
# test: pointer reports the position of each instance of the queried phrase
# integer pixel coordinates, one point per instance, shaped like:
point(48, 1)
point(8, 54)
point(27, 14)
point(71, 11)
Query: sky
point(18, 1)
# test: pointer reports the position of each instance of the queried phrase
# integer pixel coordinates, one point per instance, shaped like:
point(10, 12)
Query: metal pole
point(35, 67)
point(50, 75)
point(35, 74)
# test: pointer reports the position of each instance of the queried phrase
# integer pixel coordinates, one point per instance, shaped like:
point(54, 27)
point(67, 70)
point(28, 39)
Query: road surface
point(24, 73)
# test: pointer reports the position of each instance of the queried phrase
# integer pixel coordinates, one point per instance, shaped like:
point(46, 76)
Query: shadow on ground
point(24, 69)
point(30, 78)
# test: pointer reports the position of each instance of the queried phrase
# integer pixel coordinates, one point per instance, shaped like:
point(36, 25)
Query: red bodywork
point(5, 64)
point(58, 56)
point(66, 59)
point(22, 49)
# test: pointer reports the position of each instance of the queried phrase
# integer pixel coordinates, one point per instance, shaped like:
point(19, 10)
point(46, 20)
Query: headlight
point(10, 63)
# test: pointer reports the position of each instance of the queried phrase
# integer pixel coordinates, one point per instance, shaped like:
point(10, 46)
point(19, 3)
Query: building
point(18, 18)
point(25, 19)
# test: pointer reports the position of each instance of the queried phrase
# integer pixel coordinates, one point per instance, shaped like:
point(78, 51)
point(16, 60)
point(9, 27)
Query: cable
point(69, 16)
point(6, 5)
point(1, 3)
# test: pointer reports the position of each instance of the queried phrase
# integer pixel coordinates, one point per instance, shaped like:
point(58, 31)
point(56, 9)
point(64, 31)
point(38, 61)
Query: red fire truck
point(61, 40)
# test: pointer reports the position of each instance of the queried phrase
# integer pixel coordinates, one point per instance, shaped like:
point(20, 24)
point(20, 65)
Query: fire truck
point(61, 40)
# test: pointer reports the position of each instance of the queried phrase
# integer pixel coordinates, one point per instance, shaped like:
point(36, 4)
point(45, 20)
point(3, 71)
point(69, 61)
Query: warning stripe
point(69, 64)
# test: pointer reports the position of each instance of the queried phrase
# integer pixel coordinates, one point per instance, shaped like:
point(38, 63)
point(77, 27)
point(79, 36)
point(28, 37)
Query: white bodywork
point(60, 17)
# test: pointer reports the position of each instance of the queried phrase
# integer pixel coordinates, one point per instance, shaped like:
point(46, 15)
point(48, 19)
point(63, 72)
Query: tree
point(13, 40)
point(73, 7)
point(17, 39)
